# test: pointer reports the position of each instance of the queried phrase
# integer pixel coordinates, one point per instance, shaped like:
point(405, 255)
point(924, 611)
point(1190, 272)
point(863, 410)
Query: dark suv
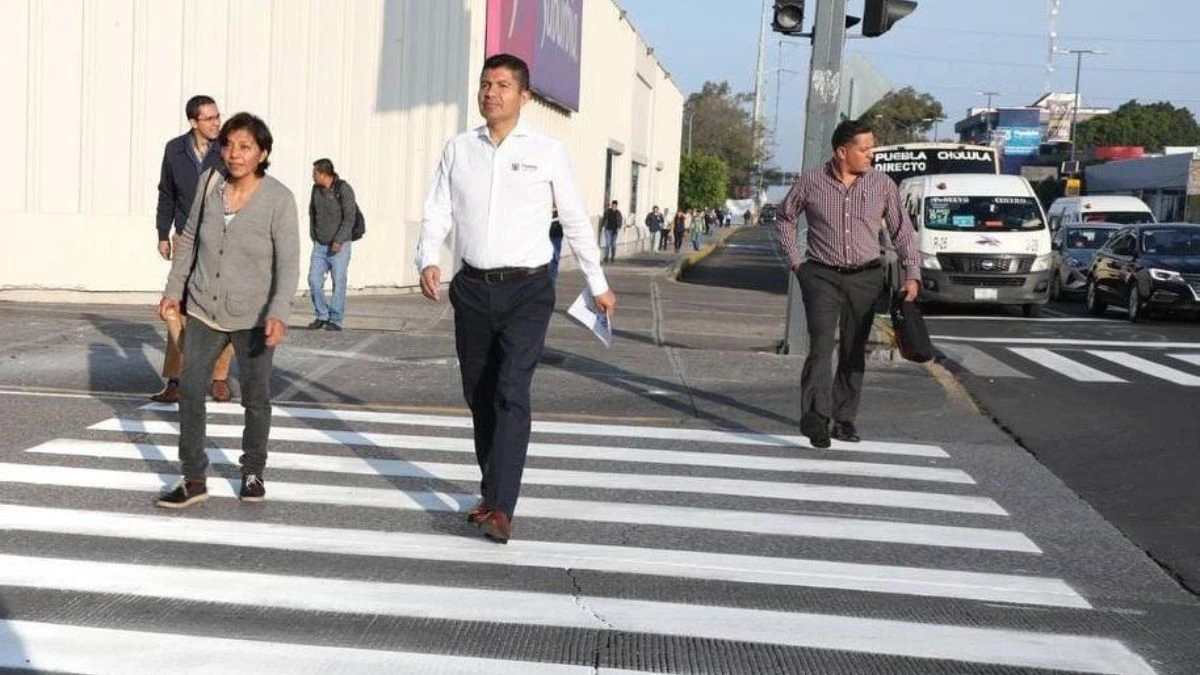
point(1146, 267)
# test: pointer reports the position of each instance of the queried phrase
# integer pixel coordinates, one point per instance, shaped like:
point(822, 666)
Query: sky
point(948, 48)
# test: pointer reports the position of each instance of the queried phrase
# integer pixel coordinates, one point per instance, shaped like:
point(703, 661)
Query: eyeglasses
point(210, 118)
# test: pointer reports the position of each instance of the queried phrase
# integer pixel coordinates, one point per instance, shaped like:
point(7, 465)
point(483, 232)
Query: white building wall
point(95, 88)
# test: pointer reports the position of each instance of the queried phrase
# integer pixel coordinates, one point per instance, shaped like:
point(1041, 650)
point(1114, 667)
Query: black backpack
point(360, 223)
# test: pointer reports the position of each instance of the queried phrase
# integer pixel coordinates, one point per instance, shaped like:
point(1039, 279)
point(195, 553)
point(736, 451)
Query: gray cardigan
point(245, 272)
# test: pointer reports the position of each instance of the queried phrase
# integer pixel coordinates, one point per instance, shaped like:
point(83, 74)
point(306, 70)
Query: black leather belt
point(847, 269)
point(502, 275)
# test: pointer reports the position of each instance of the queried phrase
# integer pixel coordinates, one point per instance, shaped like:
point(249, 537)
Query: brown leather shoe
point(220, 391)
point(169, 394)
point(477, 512)
point(496, 526)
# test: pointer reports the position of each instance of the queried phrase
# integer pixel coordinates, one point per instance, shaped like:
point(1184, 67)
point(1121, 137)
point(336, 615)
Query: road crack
point(608, 633)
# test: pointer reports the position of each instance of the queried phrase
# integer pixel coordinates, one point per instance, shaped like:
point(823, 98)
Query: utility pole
point(988, 113)
point(1075, 107)
point(821, 116)
point(691, 116)
point(759, 85)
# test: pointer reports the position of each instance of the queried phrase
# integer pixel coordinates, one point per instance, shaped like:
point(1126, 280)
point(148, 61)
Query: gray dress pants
point(836, 302)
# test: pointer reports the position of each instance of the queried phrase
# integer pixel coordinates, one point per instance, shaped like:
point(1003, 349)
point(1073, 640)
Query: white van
point(983, 239)
point(1113, 209)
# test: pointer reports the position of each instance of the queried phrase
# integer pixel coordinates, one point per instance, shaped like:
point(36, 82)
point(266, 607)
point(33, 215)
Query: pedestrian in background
point(332, 211)
point(844, 201)
point(612, 222)
point(244, 235)
point(184, 159)
point(665, 233)
point(699, 227)
point(681, 222)
point(654, 223)
point(502, 295)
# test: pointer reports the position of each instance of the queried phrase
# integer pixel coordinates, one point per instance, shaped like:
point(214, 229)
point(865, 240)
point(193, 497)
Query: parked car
point(1074, 247)
point(1152, 266)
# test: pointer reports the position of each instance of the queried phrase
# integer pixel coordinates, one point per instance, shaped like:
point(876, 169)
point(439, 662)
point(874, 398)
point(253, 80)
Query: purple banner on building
point(548, 35)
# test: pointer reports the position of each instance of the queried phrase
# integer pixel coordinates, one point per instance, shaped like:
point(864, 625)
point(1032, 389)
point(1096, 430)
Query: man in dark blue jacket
point(184, 159)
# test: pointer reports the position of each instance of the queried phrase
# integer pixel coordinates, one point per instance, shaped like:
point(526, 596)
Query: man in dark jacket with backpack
point(332, 213)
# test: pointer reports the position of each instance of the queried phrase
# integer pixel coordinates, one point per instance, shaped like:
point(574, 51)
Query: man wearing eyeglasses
point(184, 159)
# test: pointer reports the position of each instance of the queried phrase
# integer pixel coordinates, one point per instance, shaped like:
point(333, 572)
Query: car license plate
point(986, 294)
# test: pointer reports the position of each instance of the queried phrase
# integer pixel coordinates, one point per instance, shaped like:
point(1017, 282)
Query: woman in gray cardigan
point(237, 264)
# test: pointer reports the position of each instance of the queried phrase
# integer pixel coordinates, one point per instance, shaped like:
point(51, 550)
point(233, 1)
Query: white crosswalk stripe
point(894, 517)
point(1063, 365)
point(1148, 367)
point(1064, 360)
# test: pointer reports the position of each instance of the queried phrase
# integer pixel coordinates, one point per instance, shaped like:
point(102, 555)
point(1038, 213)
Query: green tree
point(703, 181)
point(902, 116)
point(721, 126)
point(1151, 126)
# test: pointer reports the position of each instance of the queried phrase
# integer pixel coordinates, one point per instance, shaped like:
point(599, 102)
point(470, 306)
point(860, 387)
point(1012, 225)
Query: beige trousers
point(173, 363)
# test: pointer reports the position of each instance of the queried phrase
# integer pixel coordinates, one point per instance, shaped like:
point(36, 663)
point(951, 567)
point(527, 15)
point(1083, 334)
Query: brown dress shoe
point(496, 526)
point(221, 392)
point(169, 394)
point(476, 513)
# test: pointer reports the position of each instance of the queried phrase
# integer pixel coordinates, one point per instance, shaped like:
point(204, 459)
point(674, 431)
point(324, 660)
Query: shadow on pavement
point(634, 383)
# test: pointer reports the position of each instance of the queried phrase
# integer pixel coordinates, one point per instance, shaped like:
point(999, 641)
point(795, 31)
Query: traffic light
point(880, 15)
point(789, 17)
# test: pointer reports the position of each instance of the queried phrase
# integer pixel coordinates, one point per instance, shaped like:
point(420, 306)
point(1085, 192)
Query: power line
point(1011, 64)
point(1188, 98)
point(1042, 36)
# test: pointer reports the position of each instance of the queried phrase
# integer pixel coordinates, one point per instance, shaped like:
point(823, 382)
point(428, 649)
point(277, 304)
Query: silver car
point(1074, 246)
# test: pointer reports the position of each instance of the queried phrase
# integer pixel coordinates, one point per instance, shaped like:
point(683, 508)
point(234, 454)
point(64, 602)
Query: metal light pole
point(759, 85)
point(935, 121)
point(988, 114)
point(1075, 108)
point(821, 116)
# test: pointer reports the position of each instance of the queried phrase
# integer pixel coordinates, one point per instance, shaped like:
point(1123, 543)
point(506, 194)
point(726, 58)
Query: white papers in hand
point(585, 311)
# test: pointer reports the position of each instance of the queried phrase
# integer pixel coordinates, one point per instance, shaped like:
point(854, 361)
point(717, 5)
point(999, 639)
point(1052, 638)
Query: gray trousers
point(201, 346)
point(836, 302)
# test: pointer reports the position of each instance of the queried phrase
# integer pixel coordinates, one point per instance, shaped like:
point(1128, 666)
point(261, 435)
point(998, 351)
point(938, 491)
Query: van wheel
point(1055, 288)
point(1094, 306)
point(1031, 311)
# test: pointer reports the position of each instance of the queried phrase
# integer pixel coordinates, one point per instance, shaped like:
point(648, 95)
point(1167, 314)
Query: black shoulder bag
point(196, 240)
point(912, 337)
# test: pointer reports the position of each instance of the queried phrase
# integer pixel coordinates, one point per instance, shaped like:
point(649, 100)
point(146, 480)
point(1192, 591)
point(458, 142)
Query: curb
point(677, 269)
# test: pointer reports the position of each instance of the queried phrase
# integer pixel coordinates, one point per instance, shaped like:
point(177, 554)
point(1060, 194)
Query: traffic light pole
point(821, 116)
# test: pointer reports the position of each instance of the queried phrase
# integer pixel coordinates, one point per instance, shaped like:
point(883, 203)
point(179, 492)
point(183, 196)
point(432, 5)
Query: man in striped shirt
point(845, 202)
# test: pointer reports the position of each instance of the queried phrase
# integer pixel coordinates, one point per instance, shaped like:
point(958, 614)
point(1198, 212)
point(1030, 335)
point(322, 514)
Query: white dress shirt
point(499, 201)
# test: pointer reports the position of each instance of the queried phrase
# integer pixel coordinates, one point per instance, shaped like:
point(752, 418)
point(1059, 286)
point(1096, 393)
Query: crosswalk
point(1078, 361)
point(636, 549)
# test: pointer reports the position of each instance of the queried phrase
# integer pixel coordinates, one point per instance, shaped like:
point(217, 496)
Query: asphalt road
point(1112, 408)
point(671, 521)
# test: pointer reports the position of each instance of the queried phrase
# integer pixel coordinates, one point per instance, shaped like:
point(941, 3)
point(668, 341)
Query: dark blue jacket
point(179, 181)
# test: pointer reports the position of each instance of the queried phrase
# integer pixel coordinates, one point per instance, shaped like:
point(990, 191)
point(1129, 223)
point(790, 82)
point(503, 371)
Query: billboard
point(548, 35)
point(1020, 141)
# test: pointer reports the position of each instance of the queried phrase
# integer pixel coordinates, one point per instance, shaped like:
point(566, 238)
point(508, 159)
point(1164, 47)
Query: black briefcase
point(912, 337)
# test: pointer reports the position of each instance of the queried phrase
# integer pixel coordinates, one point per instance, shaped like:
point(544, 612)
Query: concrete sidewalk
point(697, 351)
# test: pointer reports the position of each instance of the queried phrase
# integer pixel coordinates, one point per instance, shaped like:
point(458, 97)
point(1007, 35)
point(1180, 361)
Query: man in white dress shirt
point(495, 187)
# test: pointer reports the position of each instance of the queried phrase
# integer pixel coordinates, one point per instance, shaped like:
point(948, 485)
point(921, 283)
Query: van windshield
point(983, 214)
point(1118, 217)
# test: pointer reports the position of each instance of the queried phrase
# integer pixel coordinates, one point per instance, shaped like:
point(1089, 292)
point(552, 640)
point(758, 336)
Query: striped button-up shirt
point(844, 221)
